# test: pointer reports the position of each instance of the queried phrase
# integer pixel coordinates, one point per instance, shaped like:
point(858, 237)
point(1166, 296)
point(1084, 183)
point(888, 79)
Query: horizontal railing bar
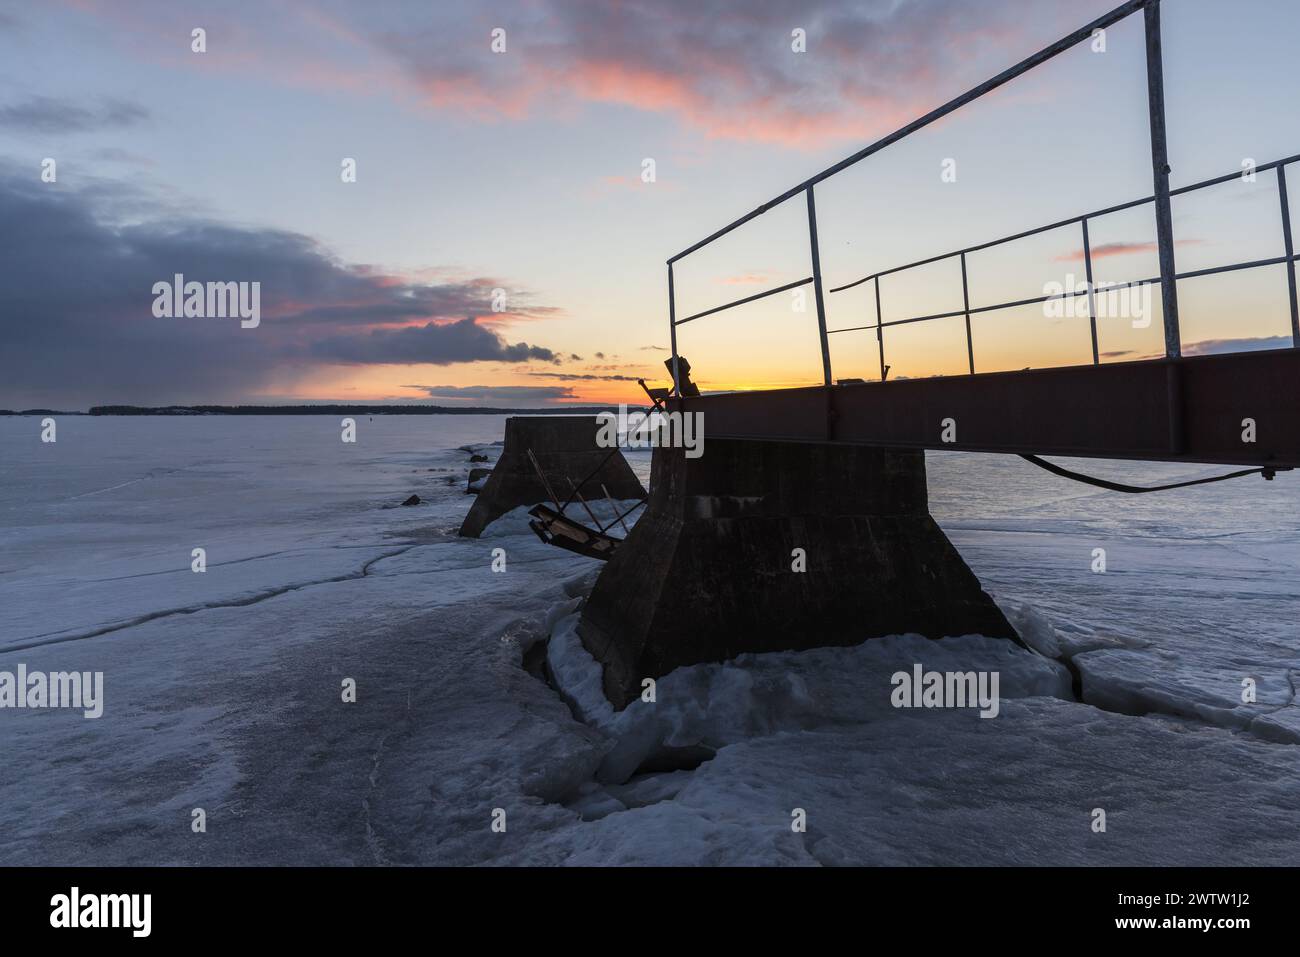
point(851, 329)
point(1278, 261)
point(1073, 220)
point(1029, 302)
point(1001, 305)
point(741, 302)
point(937, 315)
point(1063, 223)
point(988, 86)
point(1097, 290)
point(856, 282)
point(971, 249)
point(1228, 177)
point(1197, 273)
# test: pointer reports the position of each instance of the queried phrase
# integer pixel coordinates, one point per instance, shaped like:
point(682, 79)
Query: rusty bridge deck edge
point(1197, 409)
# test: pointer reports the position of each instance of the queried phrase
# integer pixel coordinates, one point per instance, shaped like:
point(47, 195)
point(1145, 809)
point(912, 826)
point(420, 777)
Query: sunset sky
point(522, 171)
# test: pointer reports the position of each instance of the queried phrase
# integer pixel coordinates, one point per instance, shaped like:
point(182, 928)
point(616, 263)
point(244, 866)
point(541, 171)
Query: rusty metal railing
point(1289, 260)
point(1167, 279)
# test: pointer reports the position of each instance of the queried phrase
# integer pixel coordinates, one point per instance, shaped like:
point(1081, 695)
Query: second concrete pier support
point(564, 447)
point(771, 546)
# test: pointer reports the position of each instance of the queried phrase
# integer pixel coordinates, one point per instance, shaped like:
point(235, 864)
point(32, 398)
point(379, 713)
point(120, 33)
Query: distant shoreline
point(317, 410)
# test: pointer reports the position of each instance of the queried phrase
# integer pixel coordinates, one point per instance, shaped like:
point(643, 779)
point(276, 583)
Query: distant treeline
point(37, 412)
point(339, 410)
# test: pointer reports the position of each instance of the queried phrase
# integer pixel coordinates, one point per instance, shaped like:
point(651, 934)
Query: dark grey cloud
point(381, 302)
point(47, 114)
point(76, 322)
point(1208, 347)
point(440, 343)
point(588, 376)
point(497, 394)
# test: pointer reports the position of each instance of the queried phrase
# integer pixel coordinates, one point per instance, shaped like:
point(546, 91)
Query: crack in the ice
point(153, 473)
point(1188, 714)
point(173, 571)
point(194, 609)
point(57, 638)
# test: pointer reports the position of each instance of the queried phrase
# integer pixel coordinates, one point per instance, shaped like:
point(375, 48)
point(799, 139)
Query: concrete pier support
point(710, 571)
point(565, 448)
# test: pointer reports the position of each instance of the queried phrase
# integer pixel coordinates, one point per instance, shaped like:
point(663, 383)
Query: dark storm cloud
point(76, 321)
point(47, 114)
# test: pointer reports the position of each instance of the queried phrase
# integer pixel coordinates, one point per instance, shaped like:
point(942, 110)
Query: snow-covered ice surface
point(1201, 588)
point(223, 689)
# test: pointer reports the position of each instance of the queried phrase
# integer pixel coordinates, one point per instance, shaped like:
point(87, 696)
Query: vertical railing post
point(1290, 254)
point(672, 328)
point(1092, 308)
point(817, 286)
point(880, 330)
point(1160, 170)
point(965, 301)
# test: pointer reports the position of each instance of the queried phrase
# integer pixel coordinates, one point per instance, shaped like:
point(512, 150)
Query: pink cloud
point(742, 82)
point(722, 69)
point(1106, 250)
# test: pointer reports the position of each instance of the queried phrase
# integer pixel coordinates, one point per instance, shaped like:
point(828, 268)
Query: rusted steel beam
point(1121, 410)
